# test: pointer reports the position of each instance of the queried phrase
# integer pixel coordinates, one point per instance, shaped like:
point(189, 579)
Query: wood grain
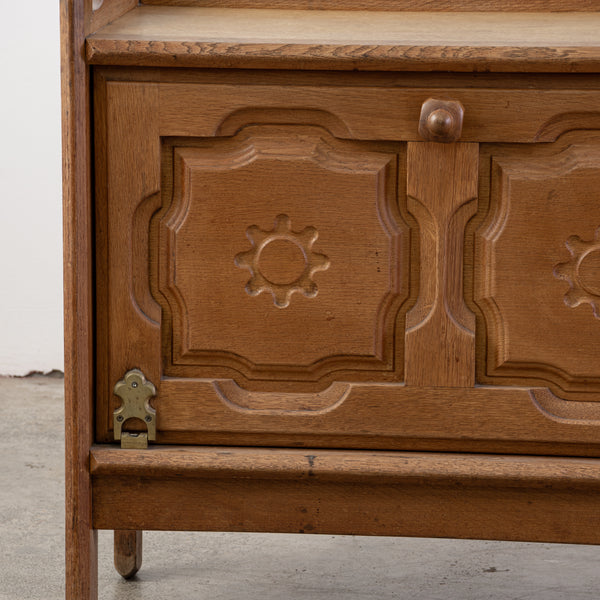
point(276, 39)
point(118, 212)
point(567, 411)
point(193, 167)
point(346, 466)
point(108, 11)
point(128, 552)
point(564, 516)
point(495, 418)
point(375, 112)
point(81, 540)
point(311, 491)
point(536, 283)
point(414, 80)
point(221, 411)
point(440, 330)
point(78, 20)
point(395, 5)
point(292, 323)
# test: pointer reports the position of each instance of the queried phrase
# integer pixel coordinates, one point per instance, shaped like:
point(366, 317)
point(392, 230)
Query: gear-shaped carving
point(570, 271)
point(282, 290)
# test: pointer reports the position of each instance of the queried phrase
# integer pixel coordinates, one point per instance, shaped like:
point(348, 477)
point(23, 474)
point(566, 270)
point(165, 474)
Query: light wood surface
point(108, 11)
point(346, 466)
point(81, 543)
point(274, 244)
point(77, 20)
point(440, 330)
point(527, 339)
point(216, 391)
point(395, 5)
point(221, 37)
point(315, 491)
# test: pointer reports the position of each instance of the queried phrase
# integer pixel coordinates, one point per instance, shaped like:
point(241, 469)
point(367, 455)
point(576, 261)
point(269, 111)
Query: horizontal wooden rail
point(347, 492)
point(318, 39)
point(347, 466)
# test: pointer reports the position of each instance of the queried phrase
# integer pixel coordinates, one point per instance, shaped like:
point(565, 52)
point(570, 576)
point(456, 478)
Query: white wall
point(30, 188)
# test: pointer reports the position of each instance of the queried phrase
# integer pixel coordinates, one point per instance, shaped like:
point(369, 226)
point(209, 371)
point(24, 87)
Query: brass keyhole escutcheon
point(135, 391)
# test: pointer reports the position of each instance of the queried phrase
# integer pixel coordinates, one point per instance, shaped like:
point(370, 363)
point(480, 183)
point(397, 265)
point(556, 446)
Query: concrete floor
point(220, 566)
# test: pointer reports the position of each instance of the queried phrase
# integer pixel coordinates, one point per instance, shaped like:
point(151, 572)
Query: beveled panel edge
point(566, 154)
point(386, 363)
point(380, 416)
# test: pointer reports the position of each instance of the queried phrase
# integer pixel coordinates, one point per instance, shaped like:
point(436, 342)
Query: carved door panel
point(282, 260)
point(292, 266)
point(254, 263)
point(537, 271)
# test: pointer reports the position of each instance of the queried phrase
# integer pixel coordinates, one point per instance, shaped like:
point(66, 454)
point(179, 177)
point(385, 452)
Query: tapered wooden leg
point(128, 552)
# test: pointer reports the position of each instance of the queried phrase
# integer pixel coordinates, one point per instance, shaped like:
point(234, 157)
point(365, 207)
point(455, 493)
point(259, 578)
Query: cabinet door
point(290, 265)
point(537, 275)
point(253, 261)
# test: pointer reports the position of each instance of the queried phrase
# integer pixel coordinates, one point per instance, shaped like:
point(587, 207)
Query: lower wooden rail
point(347, 492)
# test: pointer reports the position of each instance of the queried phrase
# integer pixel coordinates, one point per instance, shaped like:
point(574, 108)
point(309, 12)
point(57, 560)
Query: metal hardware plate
point(135, 391)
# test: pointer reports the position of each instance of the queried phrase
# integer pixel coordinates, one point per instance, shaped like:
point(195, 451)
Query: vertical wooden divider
point(440, 329)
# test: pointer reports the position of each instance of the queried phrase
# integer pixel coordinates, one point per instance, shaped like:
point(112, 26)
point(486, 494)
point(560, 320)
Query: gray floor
point(219, 566)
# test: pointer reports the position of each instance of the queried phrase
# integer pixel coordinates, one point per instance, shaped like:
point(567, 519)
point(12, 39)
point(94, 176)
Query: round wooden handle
point(441, 120)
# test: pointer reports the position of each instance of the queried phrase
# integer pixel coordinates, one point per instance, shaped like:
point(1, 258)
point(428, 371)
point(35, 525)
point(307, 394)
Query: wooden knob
point(441, 120)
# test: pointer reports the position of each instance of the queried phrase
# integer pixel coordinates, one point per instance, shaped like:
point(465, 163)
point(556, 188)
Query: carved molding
point(538, 201)
point(442, 190)
point(562, 123)
point(140, 253)
point(282, 282)
point(235, 121)
point(582, 288)
point(493, 418)
point(566, 411)
point(342, 293)
point(276, 403)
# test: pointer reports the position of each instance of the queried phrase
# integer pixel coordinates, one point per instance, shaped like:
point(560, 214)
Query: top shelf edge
point(160, 36)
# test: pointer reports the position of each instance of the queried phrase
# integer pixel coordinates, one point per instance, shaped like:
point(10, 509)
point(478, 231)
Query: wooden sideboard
point(330, 271)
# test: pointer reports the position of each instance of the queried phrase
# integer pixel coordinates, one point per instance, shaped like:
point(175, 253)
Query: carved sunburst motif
point(295, 275)
point(581, 290)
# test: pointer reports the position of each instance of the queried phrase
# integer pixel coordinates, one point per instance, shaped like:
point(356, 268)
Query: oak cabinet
point(337, 325)
point(290, 270)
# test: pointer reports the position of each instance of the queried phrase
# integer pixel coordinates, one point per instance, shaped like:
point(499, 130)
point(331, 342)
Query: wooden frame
point(342, 492)
point(78, 20)
point(394, 5)
point(81, 557)
point(365, 491)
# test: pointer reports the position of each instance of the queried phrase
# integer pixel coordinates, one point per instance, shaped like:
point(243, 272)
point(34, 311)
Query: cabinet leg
point(82, 565)
point(128, 552)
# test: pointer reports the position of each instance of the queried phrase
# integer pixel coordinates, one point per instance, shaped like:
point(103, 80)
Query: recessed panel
point(538, 256)
point(283, 258)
